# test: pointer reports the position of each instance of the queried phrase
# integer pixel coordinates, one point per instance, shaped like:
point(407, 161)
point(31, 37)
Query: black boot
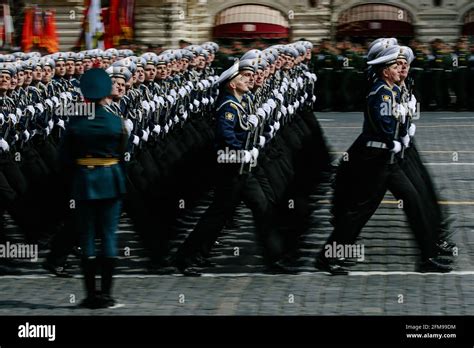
point(89, 269)
point(108, 265)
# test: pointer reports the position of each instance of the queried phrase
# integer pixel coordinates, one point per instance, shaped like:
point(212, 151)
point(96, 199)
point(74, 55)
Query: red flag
point(126, 17)
point(37, 26)
point(27, 34)
point(81, 41)
point(113, 31)
point(50, 38)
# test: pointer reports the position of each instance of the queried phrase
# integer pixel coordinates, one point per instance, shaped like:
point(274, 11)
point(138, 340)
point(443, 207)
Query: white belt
point(377, 144)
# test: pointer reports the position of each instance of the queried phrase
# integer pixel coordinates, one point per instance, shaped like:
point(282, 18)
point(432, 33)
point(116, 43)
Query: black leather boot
point(89, 268)
point(108, 265)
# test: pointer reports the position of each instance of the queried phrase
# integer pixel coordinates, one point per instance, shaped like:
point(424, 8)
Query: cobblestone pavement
point(385, 283)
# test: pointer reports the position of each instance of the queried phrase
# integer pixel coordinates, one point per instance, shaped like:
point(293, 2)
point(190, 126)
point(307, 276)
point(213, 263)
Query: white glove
point(278, 116)
point(191, 107)
point(166, 128)
point(173, 93)
point(272, 104)
point(401, 112)
point(185, 115)
point(205, 101)
point(279, 96)
point(261, 113)
point(406, 140)
point(128, 125)
point(411, 130)
point(271, 132)
point(56, 101)
point(196, 103)
point(261, 141)
point(50, 124)
point(294, 86)
point(145, 135)
point(4, 145)
point(19, 113)
point(305, 96)
point(212, 101)
point(188, 88)
point(313, 98)
point(412, 105)
point(170, 99)
point(136, 140)
point(31, 109)
point(170, 123)
point(47, 130)
point(26, 135)
point(39, 107)
point(175, 119)
point(13, 118)
point(314, 77)
point(61, 124)
point(276, 125)
point(291, 110)
point(397, 147)
point(2, 119)
point(69, 96)
point(247, 156)
point(200, 86)
point(300, 81)
point(152, 105)
point(145, 106)
point(253, 120)
point(254, 153)
point(157, 129)
point(267, 109)
point(159, 100)
point(284, 110)
point(297, 104)
point(49, 102)
point(182, 92)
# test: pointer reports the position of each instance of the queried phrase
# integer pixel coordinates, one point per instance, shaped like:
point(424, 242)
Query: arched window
point(375, 20)
point(251, 21)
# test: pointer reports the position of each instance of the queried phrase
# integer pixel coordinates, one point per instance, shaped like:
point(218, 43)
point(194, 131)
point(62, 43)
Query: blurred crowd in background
point(443, 73)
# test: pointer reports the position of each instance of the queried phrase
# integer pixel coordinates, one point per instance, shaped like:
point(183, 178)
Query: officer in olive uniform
point(325, 64)
point(92, 149)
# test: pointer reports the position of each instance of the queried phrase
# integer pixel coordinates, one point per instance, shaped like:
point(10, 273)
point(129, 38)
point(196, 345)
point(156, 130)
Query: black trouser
point(8, 193)
point(230, 190)
point(370, 177)
point(417, 172)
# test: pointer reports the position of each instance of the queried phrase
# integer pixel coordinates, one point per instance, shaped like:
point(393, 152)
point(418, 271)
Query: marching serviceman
point(373, 166)
point(233, 134)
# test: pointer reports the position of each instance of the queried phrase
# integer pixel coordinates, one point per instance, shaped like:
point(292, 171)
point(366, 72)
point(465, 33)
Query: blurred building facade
point(166, 22)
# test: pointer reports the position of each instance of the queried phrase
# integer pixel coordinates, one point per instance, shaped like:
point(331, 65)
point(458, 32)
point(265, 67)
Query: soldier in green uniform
point(470, 64)
point(325, 64)
point(441, 70)
point(461, 75)
point(92, 149)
